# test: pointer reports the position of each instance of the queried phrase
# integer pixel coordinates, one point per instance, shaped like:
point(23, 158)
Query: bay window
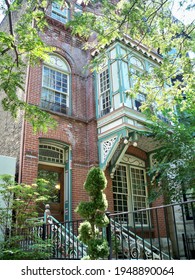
point(119, 74)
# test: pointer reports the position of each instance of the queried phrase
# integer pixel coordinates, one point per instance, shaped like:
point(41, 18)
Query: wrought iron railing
point(132, 245)
point(65, 239)
point(168, 234)
point(54, 106)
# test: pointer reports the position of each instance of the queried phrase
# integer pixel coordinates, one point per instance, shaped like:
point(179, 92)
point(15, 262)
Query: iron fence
point(163, 232)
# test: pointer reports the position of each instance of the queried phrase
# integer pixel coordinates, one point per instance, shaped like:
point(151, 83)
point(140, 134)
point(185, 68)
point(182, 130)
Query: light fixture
point(126, 141)
point(57, 186)
point(133, 137)
point(134, 144)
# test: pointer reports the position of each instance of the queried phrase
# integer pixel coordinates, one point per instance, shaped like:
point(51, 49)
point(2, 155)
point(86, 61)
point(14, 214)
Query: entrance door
point(55, 177)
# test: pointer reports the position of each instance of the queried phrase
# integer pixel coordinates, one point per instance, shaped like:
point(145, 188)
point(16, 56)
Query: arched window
point(55, 85)
point(136, 63)
point(62, 15)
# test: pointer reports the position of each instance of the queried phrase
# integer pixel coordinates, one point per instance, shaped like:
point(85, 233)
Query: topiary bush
point(93, 212)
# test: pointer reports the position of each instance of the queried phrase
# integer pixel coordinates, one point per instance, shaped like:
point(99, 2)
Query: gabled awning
point(113, 147)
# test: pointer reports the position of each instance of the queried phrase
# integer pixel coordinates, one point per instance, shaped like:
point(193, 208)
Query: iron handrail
point(127, 234)
point(67, 235)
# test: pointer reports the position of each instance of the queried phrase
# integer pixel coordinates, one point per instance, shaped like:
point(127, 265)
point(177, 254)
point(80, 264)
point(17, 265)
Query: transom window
point(104, 84)
point(59, 14)
point(136, 63)
point(55, 85)
point(129, 192)
point(51, 154)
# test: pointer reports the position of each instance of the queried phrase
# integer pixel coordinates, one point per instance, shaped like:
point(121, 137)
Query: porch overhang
point(117, 131)
point(113, 147)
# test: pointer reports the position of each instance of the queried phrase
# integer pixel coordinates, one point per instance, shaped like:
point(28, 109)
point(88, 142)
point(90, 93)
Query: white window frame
point(104, 93)
point(56, 103)
point(131, 196)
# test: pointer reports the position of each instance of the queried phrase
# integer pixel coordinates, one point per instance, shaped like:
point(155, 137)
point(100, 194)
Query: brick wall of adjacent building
point(11, 127)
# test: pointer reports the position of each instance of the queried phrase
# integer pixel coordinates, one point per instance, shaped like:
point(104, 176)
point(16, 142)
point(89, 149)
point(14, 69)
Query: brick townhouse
point(98, 124)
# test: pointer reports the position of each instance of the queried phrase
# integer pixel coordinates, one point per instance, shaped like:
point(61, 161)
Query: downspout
point(23, 126)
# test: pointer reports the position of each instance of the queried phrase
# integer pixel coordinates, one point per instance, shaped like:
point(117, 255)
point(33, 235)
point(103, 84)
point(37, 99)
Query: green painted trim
point(96, 87)
point(53, 141)
point(70, 184)
point(68, 189)
point(110, 81)
point(70, 95)
point(121, 133)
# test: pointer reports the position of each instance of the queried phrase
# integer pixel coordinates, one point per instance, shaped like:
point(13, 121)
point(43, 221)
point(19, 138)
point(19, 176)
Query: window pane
point(105, 103)
point(114, 71)
point(139, 195)
point(119, 184)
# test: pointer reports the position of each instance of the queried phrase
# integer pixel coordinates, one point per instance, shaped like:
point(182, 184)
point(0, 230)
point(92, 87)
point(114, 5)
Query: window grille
point(120, 191)
point(50, 153)
point(139, 195)
point(104, 92)
point(55, 88)
point(130, 193)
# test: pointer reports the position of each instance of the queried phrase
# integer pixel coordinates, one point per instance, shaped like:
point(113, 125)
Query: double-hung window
point(55, 85)
point(104, 89)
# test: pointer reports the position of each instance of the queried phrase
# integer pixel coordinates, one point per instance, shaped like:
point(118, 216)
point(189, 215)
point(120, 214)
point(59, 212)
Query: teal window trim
point(70, 94)
point(97, 107)
point(62, 16)
point(121, 74)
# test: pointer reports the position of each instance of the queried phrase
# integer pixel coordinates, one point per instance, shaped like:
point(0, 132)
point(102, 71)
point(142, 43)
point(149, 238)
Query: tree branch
point(12, 31)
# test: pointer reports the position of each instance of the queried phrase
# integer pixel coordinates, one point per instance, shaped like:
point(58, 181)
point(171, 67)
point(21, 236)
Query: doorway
point(55, 177)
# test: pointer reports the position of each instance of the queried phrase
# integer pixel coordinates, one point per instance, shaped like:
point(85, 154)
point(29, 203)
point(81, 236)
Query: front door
point(55, 177)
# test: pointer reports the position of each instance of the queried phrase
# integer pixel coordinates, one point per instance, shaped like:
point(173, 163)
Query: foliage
point(21, 45)
point(94, 213)
point(173, 173)
point(19, 202)
point(52, 179)
point(37, 249)
point(19, 223)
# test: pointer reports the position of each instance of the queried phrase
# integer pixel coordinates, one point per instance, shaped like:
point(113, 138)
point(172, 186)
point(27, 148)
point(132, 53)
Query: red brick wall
point(77, 130)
